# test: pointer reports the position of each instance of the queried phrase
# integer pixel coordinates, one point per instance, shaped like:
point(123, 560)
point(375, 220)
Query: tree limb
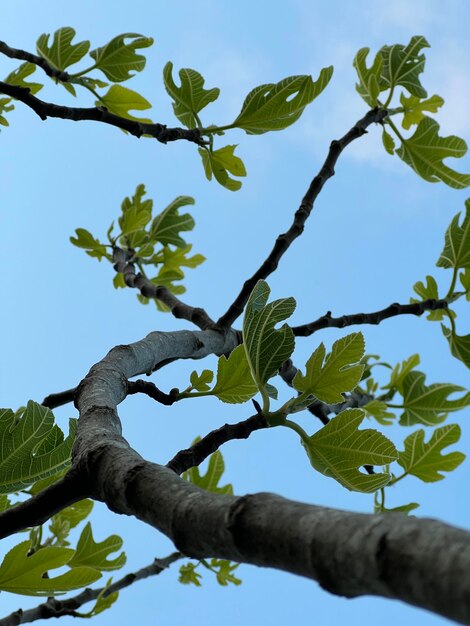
point(326, 321)
point(180, 310)
point(53, 400)
point(100, 114)
point(58, 608)
point(22, 55)
point(301, 215)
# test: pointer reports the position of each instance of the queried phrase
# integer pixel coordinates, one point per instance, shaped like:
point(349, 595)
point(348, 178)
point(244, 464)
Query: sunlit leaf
point(94, 554)
point(61, 53)
point(224, 572)
point(189, 576)
point(378, 410)
point(402, 65)
point(400, 371)
point(425, 150)
point(456, 251)
point(219, 163)
point(18, 77)
point(210, 480)
point(388, 142)
point(430, 291)
point(327, 379)
point(368, 77)
point(117, 59)
point(459, 345)
point(339, 449)
point(94, 248)
point(267, 347)
point(425, 460)
point(104, 601)
point(169, 223)
point(191, 97)
point(275, 106)
point(200, 382)
point(234, 380)
point(120, 100)
point(415, 108)
point(136, 212)
point(31, 446)
point(23, 574)
point(429, 405)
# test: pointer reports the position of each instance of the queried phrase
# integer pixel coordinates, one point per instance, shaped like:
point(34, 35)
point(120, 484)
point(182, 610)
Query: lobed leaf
point(18, 78)
point(327, 379)
point(369, 78)
point(235, 382)
point(276, 106)
point(168, 224)
point(400, 372)
point(219, 163)
point(61, 53)
point(200, 382)
point(94, 248)
point(425, 460)
point(90, 553)
point(339, 449)
point(456, 251)
point(210, 480)
point(117, 59)
point(378, 410)
point(120, 100)
point(430, 290)
point(414, 108)
point(402, 65)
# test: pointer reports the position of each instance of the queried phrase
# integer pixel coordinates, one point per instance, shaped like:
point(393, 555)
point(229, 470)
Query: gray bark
point(420, 561)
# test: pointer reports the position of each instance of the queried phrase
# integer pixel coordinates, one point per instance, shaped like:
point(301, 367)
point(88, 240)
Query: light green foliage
point(4, 502)
point(414, 108)
point(5, 107)
point(378, 410)
point(200, 382)
point(402, 66)
point(120, 100)
point(61, 53)
point(23, 574)
point(94, 248)
point(234, 379)
point(267, 347)
point(465, 281)
point(388, 142)
point(403, 508)
point(94, 554)
point(327, 379)
point(429, 405)
point(104, 601)
point(456, 251)
point(339, 449)
point(400, 372)
point(62, 523)
point(368, 85)
point(189, 575)
point(31, 446)
point(430, 291)
point(425, 460)
point(168, 224)
point(18, 78)
point(459, 345)
point(224, 571)
point(425, 151)
point(210, 480)
point(117, 59)
point(276, 106)
point(191, 97)
point(220, 163)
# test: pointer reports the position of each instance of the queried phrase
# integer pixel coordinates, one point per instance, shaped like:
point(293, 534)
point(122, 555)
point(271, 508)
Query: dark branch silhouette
point(327, 321)
point(53, 400)
point(151, 390)
point(301, 215)
point(54, 607)
point(160, 132)
point(22, 55)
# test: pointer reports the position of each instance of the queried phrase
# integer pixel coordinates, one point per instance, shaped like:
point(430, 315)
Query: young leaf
point(32, 446)
point(168, 224)
point(75, 513)
point(400, 371)
point(456, 251)
point(5, 106)
point(276, 106)
point(388, 142)
point(210, 480)
point(136, 212)
point(118, 59)
point(200, 382)
point(430, 291)
point(414, 108)
point(340, 372)
point(224, 572)
point(62, 53)
point(120, 100)
point(425, 150)
point(219, 163)
point(234, 380)
point(23, 574)
point(18, 77)
point(90, 553)
point(429, 405)
point(104, 601)
point(189, 576)
point(459, 345)
point(369, 78)
point(267, 347)
point(402, 65)
point(93, 247)
point(339, 449)
point(191, 97)
point(378, 410)
point(424, 460)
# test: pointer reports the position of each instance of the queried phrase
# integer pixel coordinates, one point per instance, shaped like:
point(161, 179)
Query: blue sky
point(376, 229)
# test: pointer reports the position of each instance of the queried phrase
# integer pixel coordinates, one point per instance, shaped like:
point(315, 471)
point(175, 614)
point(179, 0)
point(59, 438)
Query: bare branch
point(39, 508)
point(53, 400)
point(196, 454)
point(100, 114)
point(151, 390)
point(326, 321)
point(58, 608)
point(22, 55)
point(124, 265)
point(284, 241)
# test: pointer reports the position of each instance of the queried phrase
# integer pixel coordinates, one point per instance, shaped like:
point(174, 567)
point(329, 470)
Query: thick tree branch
point(58, 608)
point(22, 55)
point(284, 241)
point(38, 509)
point(326, 321)
point(100, 114)
point(53, 400)
point(197, 453)
point(180, 310)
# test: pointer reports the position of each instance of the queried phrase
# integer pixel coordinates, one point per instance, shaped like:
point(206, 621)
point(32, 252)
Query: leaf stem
point(298, 429)
point(452, 284)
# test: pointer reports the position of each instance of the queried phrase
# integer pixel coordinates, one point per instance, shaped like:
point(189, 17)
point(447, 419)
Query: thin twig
point(196, 454)
point(326, 321)
point(180, 310)
point(53, 400)
point(284, 241)
point(22, 55)
point(151, 390)
point(100, 114)
point(58, 608)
